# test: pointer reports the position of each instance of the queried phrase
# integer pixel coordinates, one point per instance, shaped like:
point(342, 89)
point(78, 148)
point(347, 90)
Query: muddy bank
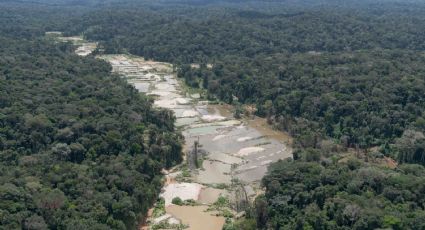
point(231, 155)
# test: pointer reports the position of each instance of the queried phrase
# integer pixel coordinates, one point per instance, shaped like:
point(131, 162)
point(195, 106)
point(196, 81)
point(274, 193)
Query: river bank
point(225, 158)
point(233, 154)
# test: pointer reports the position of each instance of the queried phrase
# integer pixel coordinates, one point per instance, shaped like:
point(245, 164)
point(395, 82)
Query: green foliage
point(73, 137)
point(166, 225)
point(222, 202)
point(186, 172)
point(392, 222)
point(410, 147)
point(81, 149)
point(190, 202)
point(245, 224)
point(177, 201)
point(348, 74)
point(221, 186)
point(307, 195)
point(222, 205)
point(159, 208)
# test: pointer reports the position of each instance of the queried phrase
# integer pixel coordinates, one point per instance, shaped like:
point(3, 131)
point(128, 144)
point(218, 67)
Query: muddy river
point(235, 153)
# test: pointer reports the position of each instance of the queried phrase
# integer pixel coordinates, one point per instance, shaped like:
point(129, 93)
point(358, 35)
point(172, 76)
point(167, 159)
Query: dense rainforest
point(79, 147)
point(354, 74)
point(342, 195)
point(347, 82)
point(344, 78)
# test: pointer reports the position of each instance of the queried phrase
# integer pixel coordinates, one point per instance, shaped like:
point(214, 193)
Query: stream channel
point(231, 157)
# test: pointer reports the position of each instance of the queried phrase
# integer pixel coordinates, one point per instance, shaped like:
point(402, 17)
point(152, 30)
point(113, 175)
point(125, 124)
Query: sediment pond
point(236, 152)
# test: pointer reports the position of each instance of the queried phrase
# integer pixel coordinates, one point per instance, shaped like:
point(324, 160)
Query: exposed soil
point(235, 149)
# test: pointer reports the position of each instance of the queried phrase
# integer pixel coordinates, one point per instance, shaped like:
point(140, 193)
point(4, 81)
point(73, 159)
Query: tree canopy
point(79, 147)
point(353, 74)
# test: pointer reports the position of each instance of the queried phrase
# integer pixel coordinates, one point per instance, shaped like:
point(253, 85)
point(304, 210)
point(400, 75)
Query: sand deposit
point(185, 191)
point(249, 150)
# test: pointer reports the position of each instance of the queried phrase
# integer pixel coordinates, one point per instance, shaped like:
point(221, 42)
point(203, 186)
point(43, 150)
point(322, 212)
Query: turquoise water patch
point(186, 121)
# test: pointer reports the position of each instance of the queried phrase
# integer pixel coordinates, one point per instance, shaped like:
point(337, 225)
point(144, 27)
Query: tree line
point(79, 147)
point(346, 82)
point(353, 75)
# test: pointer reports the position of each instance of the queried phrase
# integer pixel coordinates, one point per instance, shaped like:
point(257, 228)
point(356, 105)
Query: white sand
point(164, 103)
point(182, 101)
point(189, 113)
point(173, 220)
point(249, 150)
point(243, 139)
point(167, 217)
point(210, 118)
point(165, 86)
point(195, 95)
point(218, 137)
point(185, 191)
point(161, 218)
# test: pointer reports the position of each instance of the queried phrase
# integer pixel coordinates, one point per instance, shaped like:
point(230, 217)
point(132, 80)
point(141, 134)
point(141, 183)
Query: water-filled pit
point(235, 148)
